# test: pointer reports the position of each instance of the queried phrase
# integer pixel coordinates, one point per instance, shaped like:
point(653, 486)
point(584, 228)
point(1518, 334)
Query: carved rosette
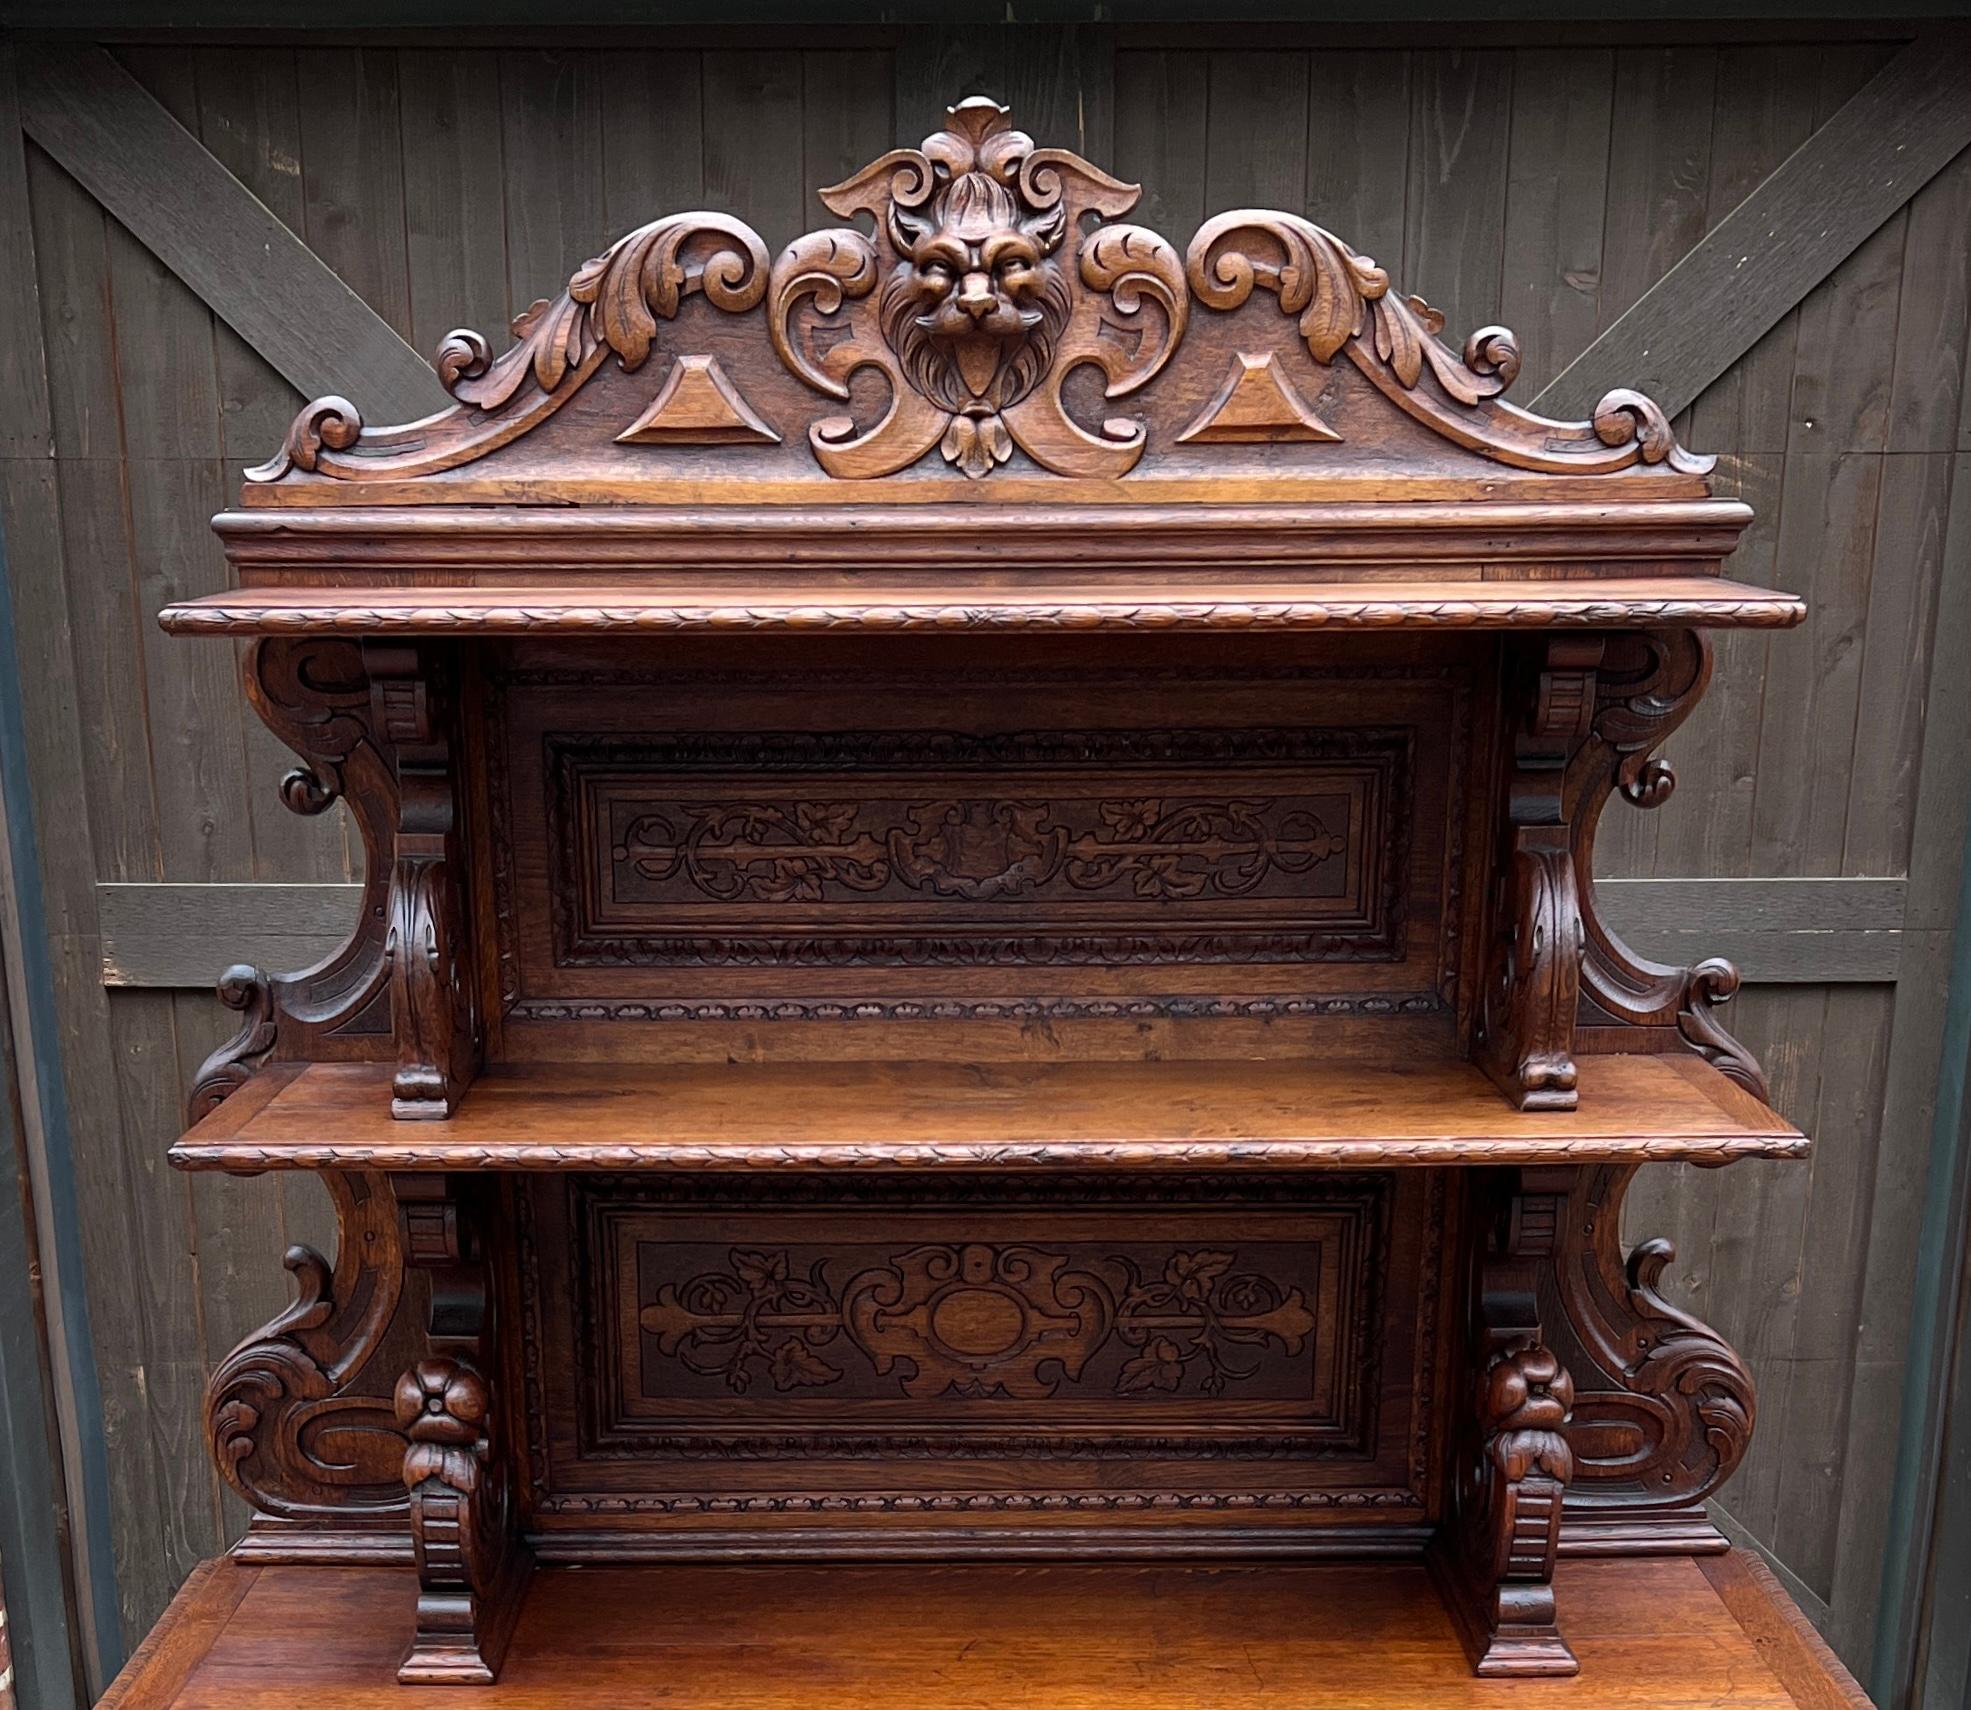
point(1347, 306)
point(612, 305)
point(458, 1498)
point(1524, 1401)
point(980, 292)
point(289, 1428)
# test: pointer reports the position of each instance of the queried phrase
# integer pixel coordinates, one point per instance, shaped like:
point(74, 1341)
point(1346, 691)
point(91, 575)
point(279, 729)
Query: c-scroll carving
point(1650, 682)
point(612, 304)
point(289, 1427)
point(428, 948)
point(1665, 1408)
point(314, 694)
point(980, 292)
point(1347, 305)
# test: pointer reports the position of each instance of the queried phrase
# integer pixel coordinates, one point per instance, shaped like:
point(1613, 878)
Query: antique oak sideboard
point(978, 949)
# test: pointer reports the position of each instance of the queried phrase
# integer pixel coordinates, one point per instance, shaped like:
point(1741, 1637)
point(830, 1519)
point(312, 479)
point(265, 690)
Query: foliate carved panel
point(693, 1344)
point(941, 849)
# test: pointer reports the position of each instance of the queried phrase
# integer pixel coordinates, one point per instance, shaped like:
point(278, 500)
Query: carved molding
point(289, 1427)
point(992, 271)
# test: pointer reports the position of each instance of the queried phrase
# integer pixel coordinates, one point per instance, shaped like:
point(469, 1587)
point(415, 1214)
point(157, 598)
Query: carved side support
point(1533, 976)
point(1649, 683)
point(291, 1424)
point(428, 948)
point(457, 1468)
point(1665, 1408)
point(313, 692)
point(1495, 1559)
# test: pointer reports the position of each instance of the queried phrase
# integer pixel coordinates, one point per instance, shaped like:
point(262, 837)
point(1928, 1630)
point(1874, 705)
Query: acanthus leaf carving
point(979, 293)
point(612, 303)
point(1345, 304)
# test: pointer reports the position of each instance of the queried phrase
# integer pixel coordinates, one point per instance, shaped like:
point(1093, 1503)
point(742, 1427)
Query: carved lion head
point(978, 297)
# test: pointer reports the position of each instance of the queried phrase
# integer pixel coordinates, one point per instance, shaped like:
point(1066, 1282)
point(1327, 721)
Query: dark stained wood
point(1079, 1637)
point(1861, 166)
point(167, 189)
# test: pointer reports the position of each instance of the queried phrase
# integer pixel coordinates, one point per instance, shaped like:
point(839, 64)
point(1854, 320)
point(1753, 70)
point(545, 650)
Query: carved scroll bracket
point(1512, 1461)
point(293, 1426)
point(457, 1467)
point(313, 692)
point(1650, 682)
point(428, 949)
point(1525, 1028)
point(1665, 1408)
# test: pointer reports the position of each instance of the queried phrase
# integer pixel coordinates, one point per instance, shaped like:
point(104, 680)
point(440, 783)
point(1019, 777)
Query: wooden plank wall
point(1544, 185)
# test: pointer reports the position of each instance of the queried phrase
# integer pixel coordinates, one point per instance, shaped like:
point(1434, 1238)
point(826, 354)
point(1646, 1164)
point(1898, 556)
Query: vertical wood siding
point(1547, 187)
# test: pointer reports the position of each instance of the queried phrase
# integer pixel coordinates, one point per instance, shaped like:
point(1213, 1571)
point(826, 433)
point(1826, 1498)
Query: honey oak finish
point(1712, 1631)
point(979, 936)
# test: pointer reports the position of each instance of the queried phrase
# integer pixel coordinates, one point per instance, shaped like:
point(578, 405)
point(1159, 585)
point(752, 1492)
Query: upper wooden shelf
point(1171, 603)
point(1187, 1115)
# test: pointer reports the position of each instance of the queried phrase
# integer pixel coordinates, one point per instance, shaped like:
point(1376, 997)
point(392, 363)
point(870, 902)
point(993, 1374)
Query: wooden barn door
point(1762, 228)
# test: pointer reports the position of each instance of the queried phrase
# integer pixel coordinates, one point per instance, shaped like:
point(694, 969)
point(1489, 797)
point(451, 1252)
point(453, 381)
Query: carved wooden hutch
point(978, 943)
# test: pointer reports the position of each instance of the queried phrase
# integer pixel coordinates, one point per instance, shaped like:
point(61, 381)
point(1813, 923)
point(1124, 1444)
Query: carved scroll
point(1648, 685)
point(456, 1469)
point(291, 1428)
point(1665, 1408)
point(613, 304)
point(428, 949)
point(1347, 306)
point(1513, 1461)
point(314, 694)
point(980, 293)
point(1525, 1031)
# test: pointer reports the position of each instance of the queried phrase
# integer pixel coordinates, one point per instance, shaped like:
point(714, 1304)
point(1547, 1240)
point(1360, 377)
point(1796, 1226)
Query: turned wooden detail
point(1511, 1461)
point(457, 1463)
point(294, 1416)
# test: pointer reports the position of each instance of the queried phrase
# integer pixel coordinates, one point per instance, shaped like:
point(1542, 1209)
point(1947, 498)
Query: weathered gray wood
point(1795, 229)
point(1790, 930)
point(160, 183)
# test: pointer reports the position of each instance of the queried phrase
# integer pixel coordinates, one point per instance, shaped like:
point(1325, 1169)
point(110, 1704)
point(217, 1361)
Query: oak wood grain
point(1258, 1114)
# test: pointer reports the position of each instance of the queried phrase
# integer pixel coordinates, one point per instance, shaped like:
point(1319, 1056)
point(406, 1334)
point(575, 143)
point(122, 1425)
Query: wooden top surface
point(1171, 603)
point(1714, 1632)
point(1210, 1115)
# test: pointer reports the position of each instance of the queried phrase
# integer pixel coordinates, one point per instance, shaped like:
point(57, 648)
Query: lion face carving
point(978, 298)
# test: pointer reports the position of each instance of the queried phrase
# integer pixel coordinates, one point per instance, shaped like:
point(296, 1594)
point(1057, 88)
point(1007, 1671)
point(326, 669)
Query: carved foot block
point(472, 1571)
point(1508, 1630)
point(462, 1636)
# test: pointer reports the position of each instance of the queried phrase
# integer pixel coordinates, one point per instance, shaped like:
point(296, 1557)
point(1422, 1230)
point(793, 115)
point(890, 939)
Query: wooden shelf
point(1715, 1632)
point(1172, 603)
point(1187, 1115)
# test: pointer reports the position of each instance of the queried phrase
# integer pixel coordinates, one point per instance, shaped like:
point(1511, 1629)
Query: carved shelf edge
point(645, 608)
point(945, 1116)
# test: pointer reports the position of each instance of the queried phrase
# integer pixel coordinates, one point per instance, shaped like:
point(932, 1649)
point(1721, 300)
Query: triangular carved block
point(698, 405)
point(1257, 405)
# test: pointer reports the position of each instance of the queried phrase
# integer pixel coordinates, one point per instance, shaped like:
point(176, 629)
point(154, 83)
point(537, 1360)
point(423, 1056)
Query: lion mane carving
point(983, 287)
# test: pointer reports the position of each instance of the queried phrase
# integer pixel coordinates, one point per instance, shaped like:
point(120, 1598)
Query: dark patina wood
point(980, 932)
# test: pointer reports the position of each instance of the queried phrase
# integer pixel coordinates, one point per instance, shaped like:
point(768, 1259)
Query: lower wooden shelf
point(1715, 1631)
